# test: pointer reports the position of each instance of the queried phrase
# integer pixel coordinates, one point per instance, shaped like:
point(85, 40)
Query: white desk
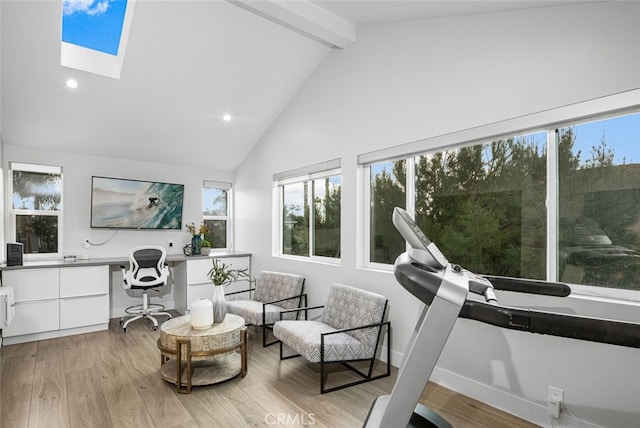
point(56, 298)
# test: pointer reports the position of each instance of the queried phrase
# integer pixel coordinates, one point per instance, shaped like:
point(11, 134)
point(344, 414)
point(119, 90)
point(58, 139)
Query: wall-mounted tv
point(118, 203)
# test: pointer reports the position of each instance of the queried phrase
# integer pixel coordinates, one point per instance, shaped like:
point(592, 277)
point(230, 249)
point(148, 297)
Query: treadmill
point(443, 287)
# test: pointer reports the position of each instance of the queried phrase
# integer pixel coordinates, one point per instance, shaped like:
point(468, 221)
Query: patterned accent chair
point(349, 330)
point(273, 293)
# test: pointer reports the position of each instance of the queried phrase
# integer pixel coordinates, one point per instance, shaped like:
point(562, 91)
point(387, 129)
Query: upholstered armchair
point(273, 293)
point(349, 330)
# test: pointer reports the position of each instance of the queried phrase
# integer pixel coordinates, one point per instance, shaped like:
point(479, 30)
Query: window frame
point(14, 213)
point(549, 121)
point(220, 185)
point(305, 175)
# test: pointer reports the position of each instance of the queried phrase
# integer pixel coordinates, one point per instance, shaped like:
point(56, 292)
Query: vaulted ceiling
point(187, 63)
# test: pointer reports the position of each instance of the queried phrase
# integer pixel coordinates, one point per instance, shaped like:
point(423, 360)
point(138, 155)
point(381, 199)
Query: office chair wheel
point(154, 328)
point(124, 329)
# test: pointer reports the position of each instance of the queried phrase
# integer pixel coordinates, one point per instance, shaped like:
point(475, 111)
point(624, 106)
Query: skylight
point(94, 35)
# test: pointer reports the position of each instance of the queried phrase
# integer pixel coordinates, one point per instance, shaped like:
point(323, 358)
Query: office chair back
point(146, 267)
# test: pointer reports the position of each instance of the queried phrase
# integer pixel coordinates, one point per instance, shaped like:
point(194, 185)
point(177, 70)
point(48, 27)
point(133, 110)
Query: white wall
point(409, 81)
point(77, 172)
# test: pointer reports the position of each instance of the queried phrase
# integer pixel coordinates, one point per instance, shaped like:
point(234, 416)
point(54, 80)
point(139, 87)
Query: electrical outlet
point(170, 244)
point(555, 401)
point(86, 244)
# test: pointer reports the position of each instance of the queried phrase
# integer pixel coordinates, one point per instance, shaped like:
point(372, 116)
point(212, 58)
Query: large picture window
point(599, 203)
point(489, 206)
point(36, 208)
point(309, 220)
point(215, 213)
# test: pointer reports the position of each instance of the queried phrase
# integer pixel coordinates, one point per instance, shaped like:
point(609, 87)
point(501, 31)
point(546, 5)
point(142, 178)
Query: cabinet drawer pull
point(83, 297)
point(34, 301)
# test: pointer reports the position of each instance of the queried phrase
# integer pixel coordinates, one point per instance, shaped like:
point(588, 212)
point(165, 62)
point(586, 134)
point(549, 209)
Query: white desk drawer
point(33, 284)
point(34, 317)
point(84, 281)
point(197, 271)
point(84, 311)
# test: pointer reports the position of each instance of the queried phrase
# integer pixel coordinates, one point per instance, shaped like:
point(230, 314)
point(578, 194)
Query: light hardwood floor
point(111, 379)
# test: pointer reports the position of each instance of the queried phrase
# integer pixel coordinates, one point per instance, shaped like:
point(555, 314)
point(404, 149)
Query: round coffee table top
point(181, 327)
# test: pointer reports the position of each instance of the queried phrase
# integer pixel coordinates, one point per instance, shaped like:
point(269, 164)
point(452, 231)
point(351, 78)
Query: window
point(484, 205)
point(309, 213)
point(388, 184)
point(94, 35)
point(36, 208)
point(215, 213)
point(488, 206)
point(599, 203)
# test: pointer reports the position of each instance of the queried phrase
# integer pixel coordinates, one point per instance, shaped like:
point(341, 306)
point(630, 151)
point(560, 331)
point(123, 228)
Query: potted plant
point(197, 234)
point(222, 274)
point(205, 247)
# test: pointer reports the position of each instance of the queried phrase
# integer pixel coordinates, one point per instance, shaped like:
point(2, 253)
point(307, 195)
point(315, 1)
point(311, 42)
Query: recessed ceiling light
point(72, 83)
point(226, 117)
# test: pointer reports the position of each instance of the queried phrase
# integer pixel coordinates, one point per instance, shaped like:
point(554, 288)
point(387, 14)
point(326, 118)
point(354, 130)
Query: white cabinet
point(84, 296)
point(34, 317)
point(36, 296)
point(194, 273)
point(50, 302)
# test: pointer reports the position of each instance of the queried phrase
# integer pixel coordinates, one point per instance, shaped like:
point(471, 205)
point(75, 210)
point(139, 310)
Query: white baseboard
point(500, 399)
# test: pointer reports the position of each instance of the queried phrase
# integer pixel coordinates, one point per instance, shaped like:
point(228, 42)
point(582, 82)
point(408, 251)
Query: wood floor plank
point(207, 409)
point(76, 353)
point(49, 401)
point(49, 349)
point(133, 417)
point(28, 349)
point(245, 407)
point(87, 405)
point(158, 397)
point(17, 374)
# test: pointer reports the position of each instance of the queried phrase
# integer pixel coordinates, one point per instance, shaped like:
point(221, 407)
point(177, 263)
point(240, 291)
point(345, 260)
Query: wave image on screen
point(133, 204)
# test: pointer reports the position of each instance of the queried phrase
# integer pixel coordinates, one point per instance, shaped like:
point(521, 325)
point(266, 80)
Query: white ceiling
point(187, 63)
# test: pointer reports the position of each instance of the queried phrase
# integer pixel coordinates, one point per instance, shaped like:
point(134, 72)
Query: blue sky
point(621, 133)
point(93, 24)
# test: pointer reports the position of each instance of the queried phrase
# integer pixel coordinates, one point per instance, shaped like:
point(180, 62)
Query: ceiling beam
point(305, 18)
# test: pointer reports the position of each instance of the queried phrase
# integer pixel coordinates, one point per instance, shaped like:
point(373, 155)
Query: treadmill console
point(422, 249)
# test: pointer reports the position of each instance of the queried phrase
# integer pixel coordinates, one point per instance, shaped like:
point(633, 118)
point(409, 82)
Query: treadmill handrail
point(555, 324)
point(530, 286)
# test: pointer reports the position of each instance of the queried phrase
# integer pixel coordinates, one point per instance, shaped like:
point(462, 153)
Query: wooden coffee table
point(207, 356)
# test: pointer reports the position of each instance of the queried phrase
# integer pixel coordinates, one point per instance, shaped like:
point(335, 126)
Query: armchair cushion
point(251, 311)
point(305, 336)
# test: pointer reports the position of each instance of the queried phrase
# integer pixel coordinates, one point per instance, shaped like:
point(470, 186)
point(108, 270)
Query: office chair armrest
point(127, 286)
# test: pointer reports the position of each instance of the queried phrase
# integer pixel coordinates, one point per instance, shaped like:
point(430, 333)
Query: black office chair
point(147, 270)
